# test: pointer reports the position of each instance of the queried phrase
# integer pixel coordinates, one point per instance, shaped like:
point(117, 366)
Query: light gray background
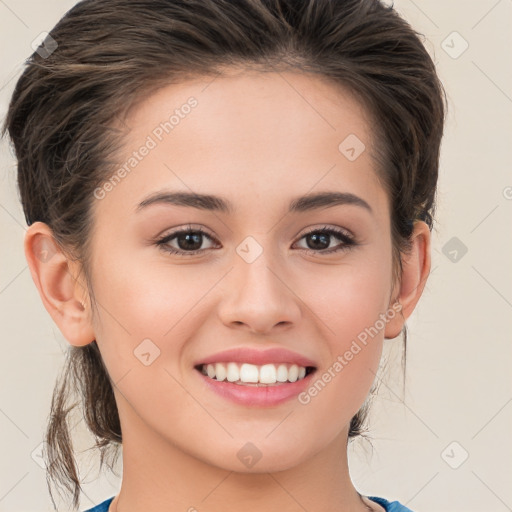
point(458, 386)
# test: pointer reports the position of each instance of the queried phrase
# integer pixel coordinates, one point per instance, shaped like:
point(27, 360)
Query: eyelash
point(348, 241)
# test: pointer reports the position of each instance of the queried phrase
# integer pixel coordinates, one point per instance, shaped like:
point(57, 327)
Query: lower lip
point(260, 396)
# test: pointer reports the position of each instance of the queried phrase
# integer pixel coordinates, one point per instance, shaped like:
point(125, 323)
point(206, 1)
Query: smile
point(255, 375)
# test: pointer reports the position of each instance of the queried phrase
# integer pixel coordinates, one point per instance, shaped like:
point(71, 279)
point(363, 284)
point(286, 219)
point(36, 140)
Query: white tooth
point(268, 374)
point(282, 373)
point(293, 373)
point(220, 371)
point(233, 374)
point(249, 373)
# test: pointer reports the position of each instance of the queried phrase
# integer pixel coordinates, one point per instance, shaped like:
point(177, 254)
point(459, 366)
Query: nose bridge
point(254, 270)
point(257, 295)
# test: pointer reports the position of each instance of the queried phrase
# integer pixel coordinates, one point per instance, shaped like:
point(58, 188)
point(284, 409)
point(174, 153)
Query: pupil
point(190, 238)
point(316, 237)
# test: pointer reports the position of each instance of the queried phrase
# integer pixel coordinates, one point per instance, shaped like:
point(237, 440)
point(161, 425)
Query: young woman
point(229, 209)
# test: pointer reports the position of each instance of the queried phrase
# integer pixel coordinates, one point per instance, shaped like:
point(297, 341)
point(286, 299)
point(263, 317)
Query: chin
point(253, 457)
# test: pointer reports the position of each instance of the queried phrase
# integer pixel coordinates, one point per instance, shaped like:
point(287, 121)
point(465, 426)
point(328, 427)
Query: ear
point(56, 278)
point(415, 271)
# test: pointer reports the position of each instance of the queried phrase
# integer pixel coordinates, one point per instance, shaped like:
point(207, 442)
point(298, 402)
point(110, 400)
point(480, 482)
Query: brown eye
point(319, 240)
point(188, 242)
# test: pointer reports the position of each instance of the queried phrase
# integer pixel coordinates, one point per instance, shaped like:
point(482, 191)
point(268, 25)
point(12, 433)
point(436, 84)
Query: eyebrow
point(306, 203)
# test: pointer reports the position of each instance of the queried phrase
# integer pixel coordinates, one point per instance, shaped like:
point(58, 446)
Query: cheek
point(148, 295)
point(352, 307)
point(139, 302)
point(350, 298)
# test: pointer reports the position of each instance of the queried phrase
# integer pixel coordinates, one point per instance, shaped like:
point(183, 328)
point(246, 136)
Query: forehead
point(250, 101)
point(246, 133)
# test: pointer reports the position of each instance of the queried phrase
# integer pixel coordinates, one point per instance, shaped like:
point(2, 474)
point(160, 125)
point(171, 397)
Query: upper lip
point(257, 357)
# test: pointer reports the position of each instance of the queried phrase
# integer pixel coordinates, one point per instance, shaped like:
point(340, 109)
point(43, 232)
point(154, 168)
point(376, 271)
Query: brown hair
point(111, 53)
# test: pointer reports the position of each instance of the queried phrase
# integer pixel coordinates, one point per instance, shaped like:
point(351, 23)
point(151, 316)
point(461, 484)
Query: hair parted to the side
point(112, 53)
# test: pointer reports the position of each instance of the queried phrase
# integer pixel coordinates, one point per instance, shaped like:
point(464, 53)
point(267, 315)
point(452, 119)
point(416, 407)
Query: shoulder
point(102, 507)
point(390, 506)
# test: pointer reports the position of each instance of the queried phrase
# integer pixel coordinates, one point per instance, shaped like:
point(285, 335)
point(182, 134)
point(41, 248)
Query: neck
point(160, 477)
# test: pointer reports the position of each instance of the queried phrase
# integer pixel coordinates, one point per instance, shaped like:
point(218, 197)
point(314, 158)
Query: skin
point(258, 140)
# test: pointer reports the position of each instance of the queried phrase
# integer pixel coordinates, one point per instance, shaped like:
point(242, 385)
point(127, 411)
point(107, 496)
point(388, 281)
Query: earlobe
point(415, 270)
point(56, 278)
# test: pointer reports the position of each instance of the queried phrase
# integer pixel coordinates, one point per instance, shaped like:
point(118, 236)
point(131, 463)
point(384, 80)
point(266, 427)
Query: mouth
point(247, 374)
point(255, 378)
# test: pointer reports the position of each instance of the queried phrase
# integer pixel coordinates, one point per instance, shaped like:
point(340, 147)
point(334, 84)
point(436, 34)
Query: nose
point(259, 297)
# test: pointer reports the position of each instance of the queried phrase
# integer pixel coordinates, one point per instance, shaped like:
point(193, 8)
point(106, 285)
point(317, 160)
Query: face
point(292, 288)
